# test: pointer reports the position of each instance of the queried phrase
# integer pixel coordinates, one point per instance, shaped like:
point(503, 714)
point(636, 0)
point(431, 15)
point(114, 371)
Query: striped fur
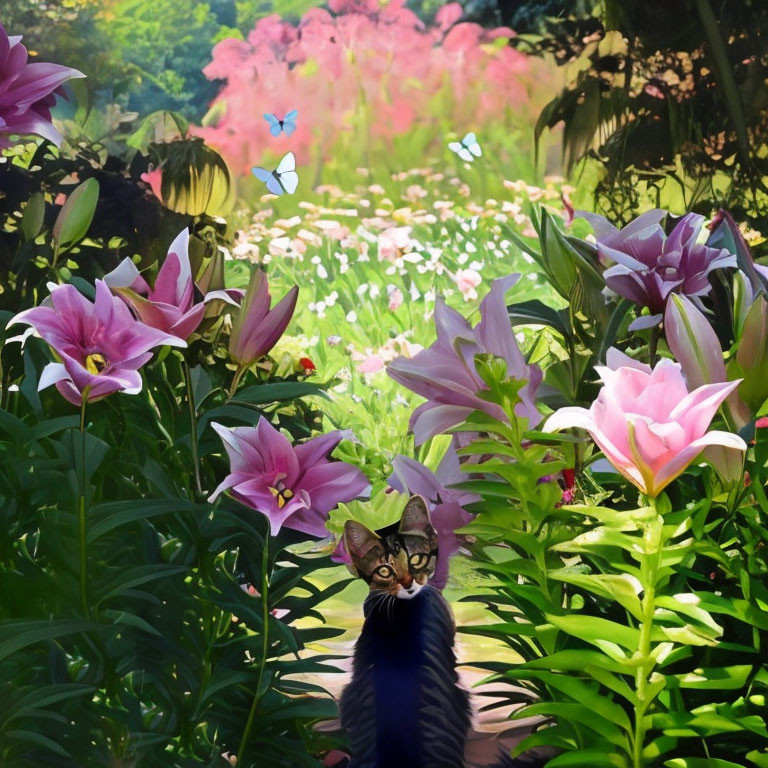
point(403, 707)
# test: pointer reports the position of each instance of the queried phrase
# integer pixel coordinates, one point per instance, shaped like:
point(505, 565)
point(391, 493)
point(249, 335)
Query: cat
point(404, 707)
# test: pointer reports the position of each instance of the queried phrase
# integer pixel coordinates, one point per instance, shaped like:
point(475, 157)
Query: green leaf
point(597, 630)
point(115, 514)
point(659, 746)
point(705, 722)
point(688, 635)
point(438, 446)
point(553, 438)
point(76, 214)
point(688, 605)
point(700, 762)
point(71, 448)
point(279, 392)
point(558, 736)
point(230, 679)
point(130, 620)
point(52, 426)
point(612, 330)
point(760, 759)
point(382, 510)
point(129, 578)
point(738, 608)
point(618, 685)
point(714, 678)
point(39, 739)
point(32, 219)
point(44, 697)
point(577, 660)
point(490, 488)
point(15, 427)
point(581, 693)
point(15, 635)
point(501, 629)
point(575, 713)
point(622, 589)
point(535, 312)
point(589, 757)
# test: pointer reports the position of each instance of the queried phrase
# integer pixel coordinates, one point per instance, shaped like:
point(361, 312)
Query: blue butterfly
point(283, 178)
point(287, 124)
point(467, 149)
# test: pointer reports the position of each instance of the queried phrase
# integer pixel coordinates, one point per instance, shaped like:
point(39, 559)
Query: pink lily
point(101, 345)
point(256, 328)
point(170, 305)
point(445, 372)
point(647, 423)
point(27, 92)
point(292, 486)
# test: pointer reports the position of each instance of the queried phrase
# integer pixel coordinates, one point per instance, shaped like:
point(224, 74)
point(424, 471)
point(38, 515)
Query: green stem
point(653, 345)
point(264, 648)
point(235, 381)
point(653, 546)
point(55, 259)
point(82, 529)
point(193, 426)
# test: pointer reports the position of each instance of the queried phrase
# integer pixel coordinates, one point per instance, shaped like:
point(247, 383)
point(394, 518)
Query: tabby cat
point(404, 707)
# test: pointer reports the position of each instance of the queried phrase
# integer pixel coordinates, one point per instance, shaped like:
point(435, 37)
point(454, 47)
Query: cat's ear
point(415, 519)
point(359, 540)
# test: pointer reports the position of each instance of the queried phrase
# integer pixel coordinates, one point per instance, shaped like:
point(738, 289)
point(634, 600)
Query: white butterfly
point(467, 149)
point(283, 179)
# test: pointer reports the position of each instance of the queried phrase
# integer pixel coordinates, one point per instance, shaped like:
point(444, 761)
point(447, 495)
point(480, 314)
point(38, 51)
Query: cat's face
point(400, 559)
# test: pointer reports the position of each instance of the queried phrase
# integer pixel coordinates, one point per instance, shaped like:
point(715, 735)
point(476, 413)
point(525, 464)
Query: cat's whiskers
point(391, 606)
point(376, 599)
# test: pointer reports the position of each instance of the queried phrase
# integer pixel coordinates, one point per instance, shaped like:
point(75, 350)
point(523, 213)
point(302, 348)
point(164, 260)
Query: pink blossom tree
point(361, 71)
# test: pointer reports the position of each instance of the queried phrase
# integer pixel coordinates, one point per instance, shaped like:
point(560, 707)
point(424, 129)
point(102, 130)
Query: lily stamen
point(95, 363)
point(281, 493)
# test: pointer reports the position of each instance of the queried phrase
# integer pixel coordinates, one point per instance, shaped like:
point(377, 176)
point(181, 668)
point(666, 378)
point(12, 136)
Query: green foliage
point(248, 12)
point(582, 331)
point(628, 652)
point(164, 666)
point(668, 100)
point(132, 624)
point(56, 228)
point(382, 510)
point(641, 630)
point(163, 48)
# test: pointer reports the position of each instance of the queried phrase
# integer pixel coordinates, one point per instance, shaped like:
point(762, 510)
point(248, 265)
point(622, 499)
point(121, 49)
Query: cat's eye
point(418, 560)
point(384, 572)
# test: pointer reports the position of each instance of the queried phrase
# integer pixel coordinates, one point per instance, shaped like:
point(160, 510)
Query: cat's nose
point(407, 582)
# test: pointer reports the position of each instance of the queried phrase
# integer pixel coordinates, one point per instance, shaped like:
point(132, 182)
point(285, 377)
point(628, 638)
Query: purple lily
point(445, 372)
point(169, 306)
point(292, 486)
point(101, 345)
point(651, 265)
point(27, 92)
point(256, 328)
point(446, 506)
